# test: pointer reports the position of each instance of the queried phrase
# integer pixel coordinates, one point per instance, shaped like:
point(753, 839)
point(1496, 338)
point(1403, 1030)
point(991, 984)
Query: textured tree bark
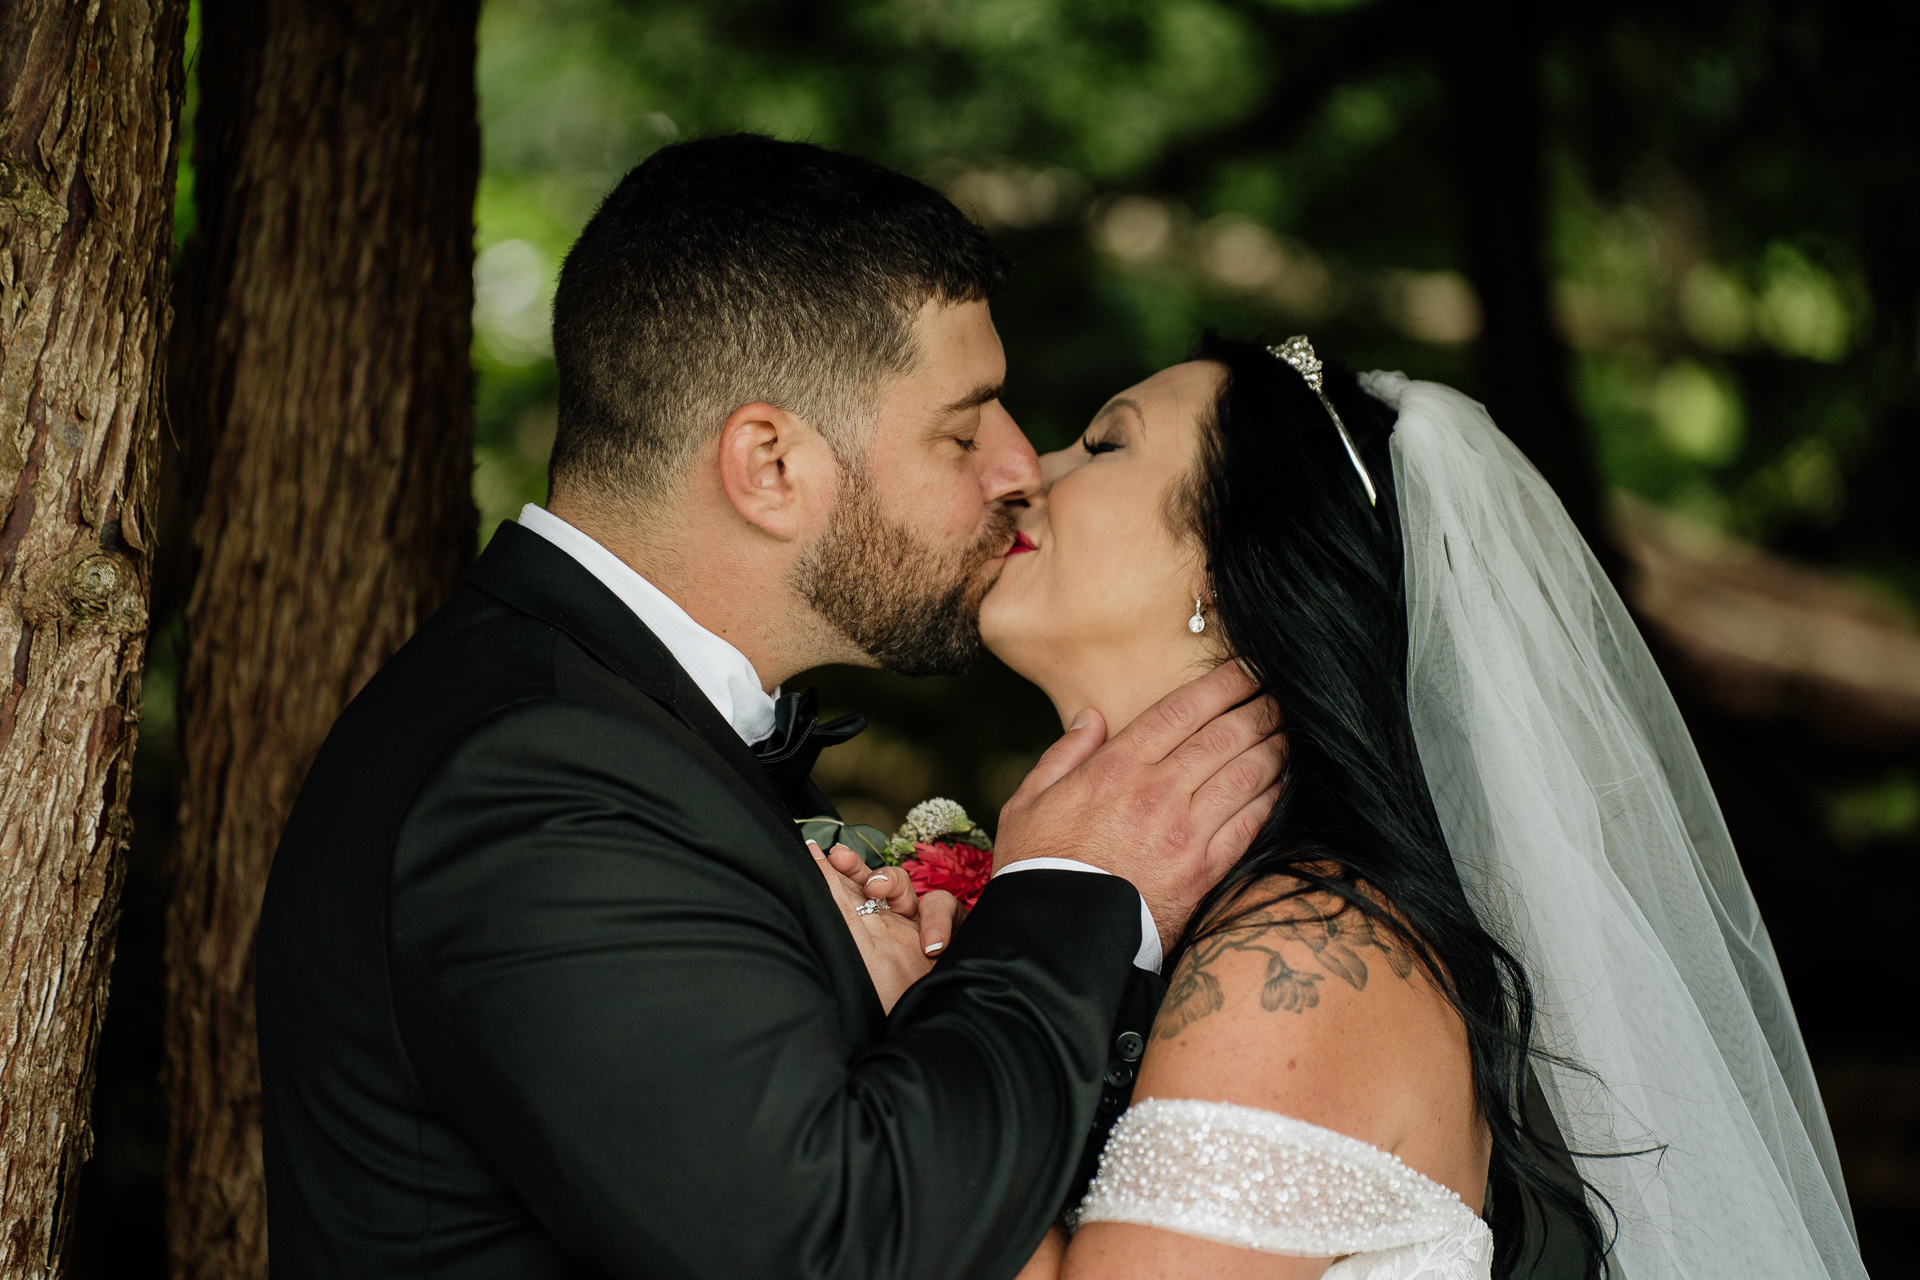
point(89, 124)
point(328, 416)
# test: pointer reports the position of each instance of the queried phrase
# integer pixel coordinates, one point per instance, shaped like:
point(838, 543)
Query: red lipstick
point(1021, 544)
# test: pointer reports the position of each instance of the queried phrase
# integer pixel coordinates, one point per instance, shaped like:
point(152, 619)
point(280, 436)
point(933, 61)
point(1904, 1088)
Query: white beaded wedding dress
point(1275, 1184)
point(1588, 840)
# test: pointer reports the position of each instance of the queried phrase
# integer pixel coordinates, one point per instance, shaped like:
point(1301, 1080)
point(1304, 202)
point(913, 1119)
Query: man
point(549, 984)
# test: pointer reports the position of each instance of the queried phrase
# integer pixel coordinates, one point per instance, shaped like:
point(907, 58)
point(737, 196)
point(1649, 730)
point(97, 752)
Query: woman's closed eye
point(1097, 447)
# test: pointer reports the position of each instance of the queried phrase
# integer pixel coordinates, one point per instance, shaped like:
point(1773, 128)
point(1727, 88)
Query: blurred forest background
point(1671, 243)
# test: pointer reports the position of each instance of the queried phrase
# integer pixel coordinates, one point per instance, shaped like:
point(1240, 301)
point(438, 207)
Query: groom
point(549, 985)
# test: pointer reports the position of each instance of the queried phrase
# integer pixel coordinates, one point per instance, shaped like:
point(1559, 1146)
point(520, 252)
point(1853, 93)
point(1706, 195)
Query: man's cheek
point(962, 516)
point(929, 495)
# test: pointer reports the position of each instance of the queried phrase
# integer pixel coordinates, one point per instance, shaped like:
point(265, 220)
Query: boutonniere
point(938, 846)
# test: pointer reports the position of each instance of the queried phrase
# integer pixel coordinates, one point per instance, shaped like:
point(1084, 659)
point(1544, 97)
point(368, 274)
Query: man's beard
point(913, 609)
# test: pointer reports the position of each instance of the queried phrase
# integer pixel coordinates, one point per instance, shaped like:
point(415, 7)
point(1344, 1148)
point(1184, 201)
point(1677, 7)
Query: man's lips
point(1021, 545)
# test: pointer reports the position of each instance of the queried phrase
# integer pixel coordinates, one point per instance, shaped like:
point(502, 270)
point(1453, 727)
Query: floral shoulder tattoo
point(1336, 943)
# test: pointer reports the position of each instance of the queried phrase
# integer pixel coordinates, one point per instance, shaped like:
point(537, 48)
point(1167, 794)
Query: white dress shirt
point(723, 673)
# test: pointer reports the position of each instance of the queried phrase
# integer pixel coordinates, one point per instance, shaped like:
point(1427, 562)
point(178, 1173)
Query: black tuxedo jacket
point(550, 987)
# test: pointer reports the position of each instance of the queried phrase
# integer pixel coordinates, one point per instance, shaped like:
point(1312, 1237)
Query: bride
point(1496, 871)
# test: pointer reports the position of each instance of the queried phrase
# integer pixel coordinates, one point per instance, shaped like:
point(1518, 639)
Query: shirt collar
point(721, 671)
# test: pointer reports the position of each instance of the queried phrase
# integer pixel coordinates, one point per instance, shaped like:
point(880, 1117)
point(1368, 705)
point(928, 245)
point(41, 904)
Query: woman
point(1496, 868)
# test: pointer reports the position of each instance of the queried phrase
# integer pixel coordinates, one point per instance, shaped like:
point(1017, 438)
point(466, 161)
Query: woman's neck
point(1120, 684)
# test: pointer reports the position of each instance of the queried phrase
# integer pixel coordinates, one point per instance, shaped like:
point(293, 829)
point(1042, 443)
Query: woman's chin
point(1000, 631)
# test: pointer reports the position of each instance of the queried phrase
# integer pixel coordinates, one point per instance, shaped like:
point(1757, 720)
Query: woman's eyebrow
point(1114, 406)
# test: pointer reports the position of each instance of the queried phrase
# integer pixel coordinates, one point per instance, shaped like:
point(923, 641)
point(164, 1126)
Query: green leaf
point(823, 831)
point(869, 842)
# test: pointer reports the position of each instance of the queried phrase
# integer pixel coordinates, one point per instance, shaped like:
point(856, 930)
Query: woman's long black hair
point(1308, 587)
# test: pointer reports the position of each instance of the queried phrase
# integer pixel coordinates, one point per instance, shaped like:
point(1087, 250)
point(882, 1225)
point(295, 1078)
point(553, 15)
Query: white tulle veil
point(1589, 841)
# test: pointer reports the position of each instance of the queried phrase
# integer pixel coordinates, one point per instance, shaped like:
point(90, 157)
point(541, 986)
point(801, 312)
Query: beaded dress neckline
point(1265, 1181)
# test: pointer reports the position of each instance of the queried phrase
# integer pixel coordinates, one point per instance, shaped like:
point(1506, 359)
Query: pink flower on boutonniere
point(961, 869)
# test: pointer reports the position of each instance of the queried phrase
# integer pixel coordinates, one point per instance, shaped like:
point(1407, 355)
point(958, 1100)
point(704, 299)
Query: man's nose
point(1009, 469)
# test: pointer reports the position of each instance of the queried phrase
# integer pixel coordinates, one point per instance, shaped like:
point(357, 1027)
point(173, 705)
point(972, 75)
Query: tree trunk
point(328, 420)
point(89, 129)
point(1495, 70)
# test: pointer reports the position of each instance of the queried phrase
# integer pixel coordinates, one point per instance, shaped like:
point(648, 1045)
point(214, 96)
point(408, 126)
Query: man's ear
point(775, 469)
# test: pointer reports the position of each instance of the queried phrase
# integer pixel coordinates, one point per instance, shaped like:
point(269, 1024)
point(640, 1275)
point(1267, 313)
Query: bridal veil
point(1589, 841)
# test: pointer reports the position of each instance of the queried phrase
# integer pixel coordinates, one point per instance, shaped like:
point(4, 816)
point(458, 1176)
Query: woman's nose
point(1058, 463)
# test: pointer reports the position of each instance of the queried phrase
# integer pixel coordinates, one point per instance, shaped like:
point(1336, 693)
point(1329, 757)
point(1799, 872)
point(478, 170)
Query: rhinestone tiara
point(1298, 353)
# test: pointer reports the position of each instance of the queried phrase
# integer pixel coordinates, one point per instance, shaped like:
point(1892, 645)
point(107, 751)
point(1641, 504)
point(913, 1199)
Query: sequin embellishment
point(1269, 1182)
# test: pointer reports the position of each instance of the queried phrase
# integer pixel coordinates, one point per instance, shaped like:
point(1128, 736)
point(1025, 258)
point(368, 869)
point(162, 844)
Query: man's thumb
point(1083, 737)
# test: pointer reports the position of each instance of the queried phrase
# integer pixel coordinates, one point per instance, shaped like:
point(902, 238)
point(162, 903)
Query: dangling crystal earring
point(1196, 623)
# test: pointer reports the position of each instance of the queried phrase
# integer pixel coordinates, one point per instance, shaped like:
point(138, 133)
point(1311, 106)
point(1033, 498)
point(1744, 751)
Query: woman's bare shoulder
point(1295, 944)
point(1308, 1004)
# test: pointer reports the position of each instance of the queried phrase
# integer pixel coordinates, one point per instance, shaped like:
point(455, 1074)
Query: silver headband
point(1298, 352)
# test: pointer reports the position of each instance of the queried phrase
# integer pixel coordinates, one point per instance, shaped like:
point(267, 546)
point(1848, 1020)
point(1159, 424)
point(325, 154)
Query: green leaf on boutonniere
point(868, 841)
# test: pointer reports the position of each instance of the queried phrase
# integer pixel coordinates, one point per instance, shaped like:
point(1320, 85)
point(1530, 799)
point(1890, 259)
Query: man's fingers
point(940, 914)
point(1238, 782)
point(1215, 746)
point(1063, 757)
point(1273, 719)
point(1236, 835)
point(1161, 729)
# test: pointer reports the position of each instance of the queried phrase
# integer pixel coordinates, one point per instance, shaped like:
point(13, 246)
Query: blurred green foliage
point(183, 205)
point(1159, 165)
point(1885, 806)
point(1730, 190)
point(1725, 190)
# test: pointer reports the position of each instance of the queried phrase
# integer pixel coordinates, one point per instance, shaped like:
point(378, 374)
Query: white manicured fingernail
point(817, 855)
point(881, 876)
point(934, 946)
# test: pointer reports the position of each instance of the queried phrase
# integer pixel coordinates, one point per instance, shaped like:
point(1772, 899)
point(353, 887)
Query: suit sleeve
point(603, 980)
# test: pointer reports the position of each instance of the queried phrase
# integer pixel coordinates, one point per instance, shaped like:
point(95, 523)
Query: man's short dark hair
point(732, 269)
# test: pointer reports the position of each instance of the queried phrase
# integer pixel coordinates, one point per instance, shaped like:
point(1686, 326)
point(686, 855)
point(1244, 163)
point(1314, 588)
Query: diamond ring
point(870, 906)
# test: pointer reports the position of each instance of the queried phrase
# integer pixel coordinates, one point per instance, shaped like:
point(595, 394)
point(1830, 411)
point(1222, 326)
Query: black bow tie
point(789, 753)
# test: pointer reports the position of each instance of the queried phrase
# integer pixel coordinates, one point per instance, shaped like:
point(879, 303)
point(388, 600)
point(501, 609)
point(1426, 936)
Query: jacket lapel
point(529, 573)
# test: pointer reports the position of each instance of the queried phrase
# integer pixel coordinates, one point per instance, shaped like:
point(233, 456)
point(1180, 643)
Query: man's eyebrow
point(985, 393)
